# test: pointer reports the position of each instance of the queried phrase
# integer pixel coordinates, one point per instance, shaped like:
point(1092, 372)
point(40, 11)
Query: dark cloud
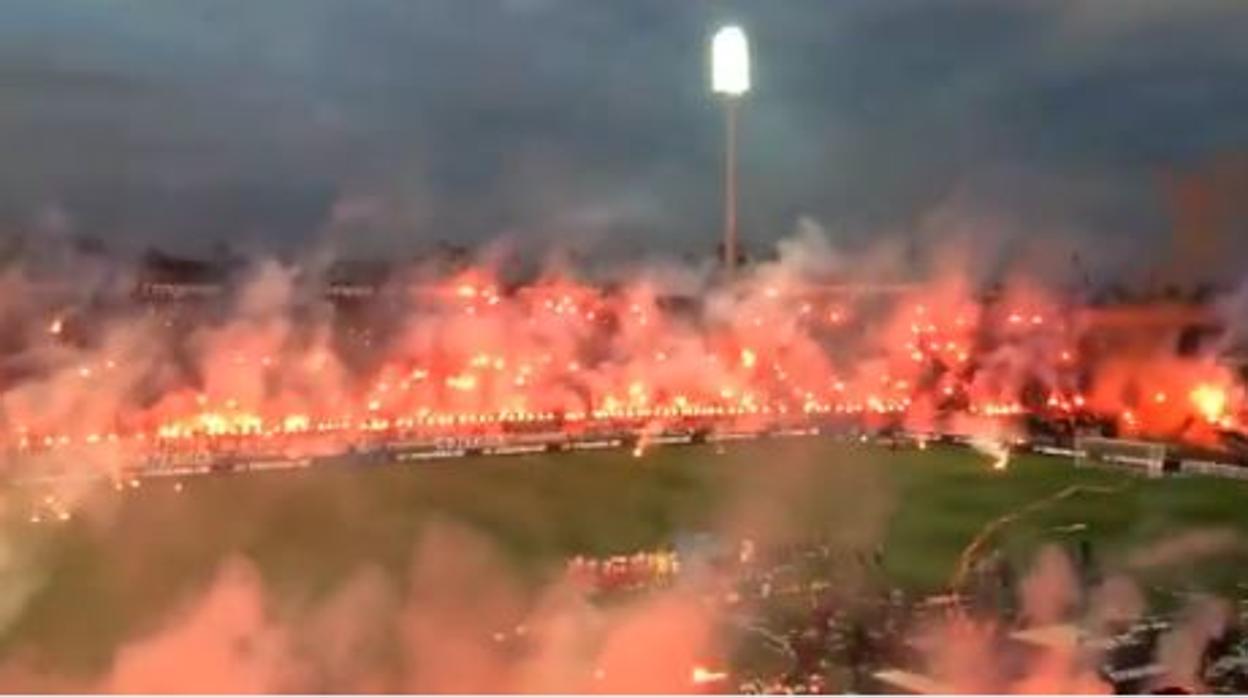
point(262, 122)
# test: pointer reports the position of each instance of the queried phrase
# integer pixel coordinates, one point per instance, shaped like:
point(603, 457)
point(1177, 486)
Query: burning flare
point(464, 355)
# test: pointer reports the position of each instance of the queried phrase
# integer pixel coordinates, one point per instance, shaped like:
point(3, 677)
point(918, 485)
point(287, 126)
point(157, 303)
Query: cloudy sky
point(400, 122)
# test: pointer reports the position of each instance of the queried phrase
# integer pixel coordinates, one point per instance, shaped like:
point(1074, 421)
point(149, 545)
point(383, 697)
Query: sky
point(391, 124)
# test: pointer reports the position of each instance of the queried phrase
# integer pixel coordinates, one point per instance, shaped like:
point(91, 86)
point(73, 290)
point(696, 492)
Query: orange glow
point(1211, 401)
point(702, 676)
point(556, 354)
point(748, 358)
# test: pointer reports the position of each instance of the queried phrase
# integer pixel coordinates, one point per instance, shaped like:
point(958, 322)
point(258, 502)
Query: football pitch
point(130, 557)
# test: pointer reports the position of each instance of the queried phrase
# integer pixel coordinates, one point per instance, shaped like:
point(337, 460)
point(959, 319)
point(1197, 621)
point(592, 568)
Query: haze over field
point(448, 266)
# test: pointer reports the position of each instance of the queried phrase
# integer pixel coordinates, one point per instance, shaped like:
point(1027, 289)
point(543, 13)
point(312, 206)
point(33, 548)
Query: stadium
point(450, 347)
point(826, 531)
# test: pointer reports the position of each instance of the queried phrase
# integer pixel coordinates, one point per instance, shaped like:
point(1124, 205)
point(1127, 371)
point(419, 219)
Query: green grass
point(132, 556)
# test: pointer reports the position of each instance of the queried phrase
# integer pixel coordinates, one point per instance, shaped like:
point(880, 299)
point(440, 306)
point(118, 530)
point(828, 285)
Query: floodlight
point(730, 62)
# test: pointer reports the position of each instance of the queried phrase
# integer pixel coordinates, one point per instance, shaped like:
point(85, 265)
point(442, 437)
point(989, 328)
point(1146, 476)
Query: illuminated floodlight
point(730, 62)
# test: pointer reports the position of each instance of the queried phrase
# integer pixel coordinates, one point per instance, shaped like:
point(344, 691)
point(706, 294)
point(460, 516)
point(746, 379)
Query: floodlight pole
point(730, 80)
point(731, 105)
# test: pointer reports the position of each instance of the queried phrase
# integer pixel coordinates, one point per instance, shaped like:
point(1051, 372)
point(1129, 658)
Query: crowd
point(641, 570)
point(837, 639)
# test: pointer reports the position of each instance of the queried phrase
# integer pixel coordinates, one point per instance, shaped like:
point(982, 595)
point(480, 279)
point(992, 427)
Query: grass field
point(131, 556)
